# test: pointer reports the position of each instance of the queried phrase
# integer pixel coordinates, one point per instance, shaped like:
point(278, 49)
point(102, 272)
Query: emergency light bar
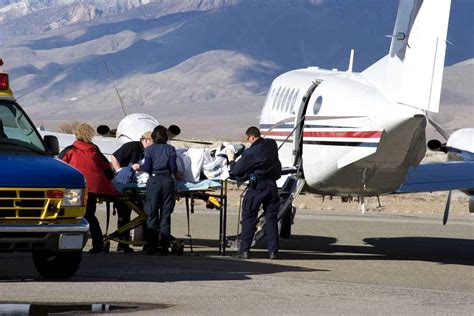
point(4, 81)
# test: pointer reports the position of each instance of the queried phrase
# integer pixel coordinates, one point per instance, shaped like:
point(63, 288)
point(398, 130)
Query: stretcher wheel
point(106, 246)
point(177, 247)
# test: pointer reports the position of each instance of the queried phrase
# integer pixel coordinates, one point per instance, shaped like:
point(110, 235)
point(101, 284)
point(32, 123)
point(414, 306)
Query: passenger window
point(288, 101)
point(293, 102)
point(285, 97)
point(276, 98)
point(317, 105)
point(282, 93)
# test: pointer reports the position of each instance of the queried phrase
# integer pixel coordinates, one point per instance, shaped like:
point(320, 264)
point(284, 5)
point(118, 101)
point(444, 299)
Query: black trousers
point(123, 217)
point(159, 204)
point(94, 227)
point(265, 194)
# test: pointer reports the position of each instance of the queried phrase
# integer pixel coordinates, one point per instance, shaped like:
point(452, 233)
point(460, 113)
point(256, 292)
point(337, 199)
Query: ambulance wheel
point(57, 265)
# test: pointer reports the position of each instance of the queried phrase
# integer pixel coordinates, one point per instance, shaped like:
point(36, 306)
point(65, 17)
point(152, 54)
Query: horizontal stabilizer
point(454, 175)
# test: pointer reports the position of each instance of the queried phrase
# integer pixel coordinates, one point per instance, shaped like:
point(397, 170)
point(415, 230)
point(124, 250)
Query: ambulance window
point(280, 98)
point(288, 101)
point(317, 105)
point(276, 98)
point(283, 101)
point(293, 102)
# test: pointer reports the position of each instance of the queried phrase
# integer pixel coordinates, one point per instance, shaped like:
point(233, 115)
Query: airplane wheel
point(285, 224)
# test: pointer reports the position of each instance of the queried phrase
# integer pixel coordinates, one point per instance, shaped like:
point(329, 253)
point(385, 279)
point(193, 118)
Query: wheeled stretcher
point(214, 193)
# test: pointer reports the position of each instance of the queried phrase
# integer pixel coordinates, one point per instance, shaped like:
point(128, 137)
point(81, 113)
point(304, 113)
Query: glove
point(231, 176)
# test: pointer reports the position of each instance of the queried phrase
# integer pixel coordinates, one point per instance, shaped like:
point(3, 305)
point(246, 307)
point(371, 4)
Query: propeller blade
point(438, 128)
point(446, 209)
point(192, 141)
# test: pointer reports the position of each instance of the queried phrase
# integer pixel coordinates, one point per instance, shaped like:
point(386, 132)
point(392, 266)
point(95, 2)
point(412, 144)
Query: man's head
point(146, 139)
point(160, 135)
point(252, 133)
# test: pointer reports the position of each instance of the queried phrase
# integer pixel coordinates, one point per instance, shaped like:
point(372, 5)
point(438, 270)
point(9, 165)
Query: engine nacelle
point(132, 127)
point(436, 145)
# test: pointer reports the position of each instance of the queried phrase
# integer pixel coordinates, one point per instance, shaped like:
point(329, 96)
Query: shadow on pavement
point(204, 264)
point(432, 249)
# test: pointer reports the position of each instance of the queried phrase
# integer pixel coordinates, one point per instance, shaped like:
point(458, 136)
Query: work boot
point(164, 244)
point(125, 248)
point(95, 250)
point(272, 255)
point(242, 255)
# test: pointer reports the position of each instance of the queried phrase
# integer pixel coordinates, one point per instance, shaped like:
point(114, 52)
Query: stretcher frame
point(218, 199)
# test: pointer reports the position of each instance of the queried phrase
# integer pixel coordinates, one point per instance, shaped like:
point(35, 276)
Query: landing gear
point(286, 221)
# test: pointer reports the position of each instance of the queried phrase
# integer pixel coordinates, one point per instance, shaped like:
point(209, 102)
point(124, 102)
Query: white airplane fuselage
point(355, 141)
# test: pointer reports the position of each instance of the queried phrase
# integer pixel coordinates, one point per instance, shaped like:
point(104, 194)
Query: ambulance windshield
point(17, 133)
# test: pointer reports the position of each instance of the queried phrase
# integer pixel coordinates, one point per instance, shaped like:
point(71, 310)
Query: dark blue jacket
point(261, 160)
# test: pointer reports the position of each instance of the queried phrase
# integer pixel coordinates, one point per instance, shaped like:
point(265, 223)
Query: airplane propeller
point(438, 128)
point(446, 209)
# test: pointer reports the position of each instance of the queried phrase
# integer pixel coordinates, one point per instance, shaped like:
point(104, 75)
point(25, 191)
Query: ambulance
point(42, 199)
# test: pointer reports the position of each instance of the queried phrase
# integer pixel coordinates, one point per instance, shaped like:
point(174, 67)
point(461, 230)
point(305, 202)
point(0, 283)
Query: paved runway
point(334, 264)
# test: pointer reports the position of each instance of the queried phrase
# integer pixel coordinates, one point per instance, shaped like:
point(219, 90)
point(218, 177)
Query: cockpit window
point(16, 130)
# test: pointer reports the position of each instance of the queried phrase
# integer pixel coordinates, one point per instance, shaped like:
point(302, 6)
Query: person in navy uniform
point(160, 163)
point(128, 153)
point(261, 167)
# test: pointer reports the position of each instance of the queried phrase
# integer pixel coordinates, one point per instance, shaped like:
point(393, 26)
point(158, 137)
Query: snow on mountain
point(200, 57)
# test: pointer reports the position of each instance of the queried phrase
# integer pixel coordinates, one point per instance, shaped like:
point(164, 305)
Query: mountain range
point(202, 64)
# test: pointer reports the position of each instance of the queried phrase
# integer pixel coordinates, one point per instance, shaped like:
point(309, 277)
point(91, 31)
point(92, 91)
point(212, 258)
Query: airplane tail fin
point(412, 72)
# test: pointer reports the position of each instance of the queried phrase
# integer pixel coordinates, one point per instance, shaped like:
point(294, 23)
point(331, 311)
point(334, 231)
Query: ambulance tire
point(285, 223)
point(57, 265)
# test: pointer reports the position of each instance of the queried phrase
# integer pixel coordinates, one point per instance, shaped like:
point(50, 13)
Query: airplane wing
point(452, 175)
point(107, 145)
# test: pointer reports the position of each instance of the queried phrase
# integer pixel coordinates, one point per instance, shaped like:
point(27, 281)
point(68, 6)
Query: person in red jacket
point(87, 158)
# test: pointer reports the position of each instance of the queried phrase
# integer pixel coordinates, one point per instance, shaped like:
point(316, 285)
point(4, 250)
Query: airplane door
point(299, 124)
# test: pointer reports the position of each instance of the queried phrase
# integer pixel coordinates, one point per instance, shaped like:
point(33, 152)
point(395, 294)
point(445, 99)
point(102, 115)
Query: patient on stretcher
point(201, 169)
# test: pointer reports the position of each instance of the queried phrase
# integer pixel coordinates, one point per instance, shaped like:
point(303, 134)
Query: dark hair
point(253, 131)
point(160, 135)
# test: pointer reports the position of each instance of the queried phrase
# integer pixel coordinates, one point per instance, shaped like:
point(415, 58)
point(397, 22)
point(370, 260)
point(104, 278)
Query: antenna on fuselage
point(351, 61)
point(116, 90)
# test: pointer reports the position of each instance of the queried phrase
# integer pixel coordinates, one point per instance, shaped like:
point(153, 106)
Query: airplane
point(359, 134)
point(349, 134)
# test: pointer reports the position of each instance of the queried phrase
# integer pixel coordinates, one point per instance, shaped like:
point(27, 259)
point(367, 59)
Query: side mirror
point(52, 144)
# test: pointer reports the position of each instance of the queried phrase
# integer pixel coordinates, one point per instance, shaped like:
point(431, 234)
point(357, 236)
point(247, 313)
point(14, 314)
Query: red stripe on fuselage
point(364, 134)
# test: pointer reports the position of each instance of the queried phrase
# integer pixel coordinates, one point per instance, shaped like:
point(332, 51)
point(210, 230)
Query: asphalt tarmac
point(335, 263)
